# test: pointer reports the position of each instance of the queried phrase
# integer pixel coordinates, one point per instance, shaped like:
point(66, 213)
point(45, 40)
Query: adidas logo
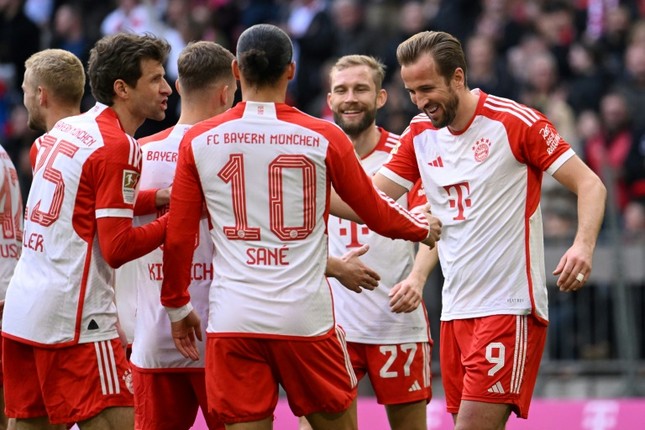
point(92, 325)
point(497, 388)
point(414, 387)
point(437, 162)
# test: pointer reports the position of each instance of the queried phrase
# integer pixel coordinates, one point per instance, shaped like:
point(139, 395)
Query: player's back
point(61, 259)
point(262, 168)
point(153, 346)
point(11, 232)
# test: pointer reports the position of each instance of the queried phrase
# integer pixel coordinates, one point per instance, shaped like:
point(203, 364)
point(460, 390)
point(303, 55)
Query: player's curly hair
point(119, 56)
point(263, 53)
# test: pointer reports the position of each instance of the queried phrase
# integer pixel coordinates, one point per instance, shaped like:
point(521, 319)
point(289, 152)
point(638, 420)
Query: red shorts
point(168, 400)
point(242, 376)
point(491, 359)
point(68, 384)
point(399, 373)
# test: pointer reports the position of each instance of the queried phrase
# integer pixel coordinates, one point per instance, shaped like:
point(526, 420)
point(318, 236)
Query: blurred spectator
point(543, 90)
point(588, 78)
point(556, 26)
point(485, 70)
point(457, 17)
point(614, 38)
point(632, 83)
point(635, 219)
point(609, 148)
point(411, 19)
point(352, 34)
point(17, 142)
point(635, 167)
point(19, 38)
point(310, 27)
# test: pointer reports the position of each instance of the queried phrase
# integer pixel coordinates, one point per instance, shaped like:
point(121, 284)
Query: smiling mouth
point(432, 109)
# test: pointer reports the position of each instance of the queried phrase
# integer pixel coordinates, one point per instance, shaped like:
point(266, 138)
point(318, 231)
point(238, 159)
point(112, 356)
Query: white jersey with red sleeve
point(11, 213)
point(62, 289)
point(366, 317)
point(484, 185)
point(265, 171)
point(153, 346)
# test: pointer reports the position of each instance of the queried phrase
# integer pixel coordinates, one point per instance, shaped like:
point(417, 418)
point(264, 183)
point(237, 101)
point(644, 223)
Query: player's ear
point(291, 70)
point(223, 96)
point(42, 95)
point(178, 87)
point(236, 69)
point(381, 98)
point(120, 88)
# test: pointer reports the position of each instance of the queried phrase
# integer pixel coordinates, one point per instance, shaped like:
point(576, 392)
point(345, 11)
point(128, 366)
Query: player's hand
point(184, 333)
point(574, 267)
point(162, 196)
point(434, 225)
point(354, 274)
point(406, 296)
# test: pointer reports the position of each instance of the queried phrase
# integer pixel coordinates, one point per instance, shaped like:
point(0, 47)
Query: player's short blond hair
point(60, 72)
point(377, 68)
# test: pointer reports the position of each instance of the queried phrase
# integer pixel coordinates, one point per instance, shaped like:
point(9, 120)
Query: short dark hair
point(445, 49)
point(203, 63)
point(263, 53)
point(119, 56)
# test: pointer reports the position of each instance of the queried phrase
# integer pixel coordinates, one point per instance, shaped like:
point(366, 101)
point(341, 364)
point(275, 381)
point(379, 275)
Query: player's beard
point(36, 122)
point(356, 128)
point(449, 110)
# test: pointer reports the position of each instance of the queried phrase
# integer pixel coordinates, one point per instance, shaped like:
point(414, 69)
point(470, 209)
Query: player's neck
point(194, 113)
point(365, 142)
point(465, 112)
point(54, 116)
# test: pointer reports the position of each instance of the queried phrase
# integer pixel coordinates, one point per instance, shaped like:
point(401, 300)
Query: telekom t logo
point(352, 233)
point(461, 200)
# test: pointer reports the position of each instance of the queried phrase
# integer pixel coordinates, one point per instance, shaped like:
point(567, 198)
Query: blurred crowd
point(580, 62)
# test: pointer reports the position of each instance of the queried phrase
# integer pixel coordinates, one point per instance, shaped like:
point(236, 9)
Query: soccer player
point(481, 159)
point(10, 239)
point(169, 388)
point(387, 331)
point(264, 170)
point(59, 335)
point(53, 87)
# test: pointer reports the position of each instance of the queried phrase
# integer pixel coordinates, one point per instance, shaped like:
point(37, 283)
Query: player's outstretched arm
point(351, 272)
point(407, 295)
point(575, 265)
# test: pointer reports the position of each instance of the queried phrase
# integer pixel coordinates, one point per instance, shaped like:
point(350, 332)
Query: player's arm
point(350, 271)
point(341, 209)
point(148, 201)
point(120, 242)
point(407, 295)
point(112, 174)
point(186, 203)
point(592, 194)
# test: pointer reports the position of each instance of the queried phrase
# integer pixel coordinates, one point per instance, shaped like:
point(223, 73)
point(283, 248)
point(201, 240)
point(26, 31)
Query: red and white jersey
point(11, 213)
point(366, 317)
point(62, 289)
point(265, 171)
point(484, 185)
point(153, 345)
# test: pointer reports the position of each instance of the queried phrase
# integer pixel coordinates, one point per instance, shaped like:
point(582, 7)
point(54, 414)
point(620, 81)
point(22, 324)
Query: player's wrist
point(178, 314)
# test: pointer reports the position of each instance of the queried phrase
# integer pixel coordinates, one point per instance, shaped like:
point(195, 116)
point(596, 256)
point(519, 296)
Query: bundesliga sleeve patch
point(129, 186)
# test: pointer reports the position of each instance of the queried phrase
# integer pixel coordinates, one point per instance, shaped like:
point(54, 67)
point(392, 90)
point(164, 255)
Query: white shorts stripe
point(108, 369)
point(114, 372)
point(99, 361)
point(519, 353)
point(427, 380)
point(340, 335)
